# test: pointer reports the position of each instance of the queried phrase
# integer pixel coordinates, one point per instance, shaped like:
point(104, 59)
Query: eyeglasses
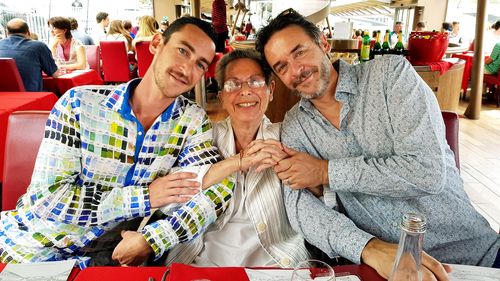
point(287, 12)
point(233, 85)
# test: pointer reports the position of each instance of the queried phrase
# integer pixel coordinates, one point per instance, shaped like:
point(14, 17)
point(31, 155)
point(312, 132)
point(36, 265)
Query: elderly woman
point(69, 53)
point(254, 229)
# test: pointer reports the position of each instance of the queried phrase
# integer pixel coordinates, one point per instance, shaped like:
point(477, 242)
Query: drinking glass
point(313, 270)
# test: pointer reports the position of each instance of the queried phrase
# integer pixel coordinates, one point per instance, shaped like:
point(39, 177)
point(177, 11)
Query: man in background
point(82, 36)
point(32, 57)
point(99, 30)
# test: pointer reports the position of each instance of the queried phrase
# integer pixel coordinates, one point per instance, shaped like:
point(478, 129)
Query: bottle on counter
point(399, 48)
point(365, 48)
point(386, 47)
point(407, 265)
point(377, 47)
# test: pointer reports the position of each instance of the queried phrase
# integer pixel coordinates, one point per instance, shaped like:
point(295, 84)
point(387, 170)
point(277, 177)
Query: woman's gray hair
point(220, 74)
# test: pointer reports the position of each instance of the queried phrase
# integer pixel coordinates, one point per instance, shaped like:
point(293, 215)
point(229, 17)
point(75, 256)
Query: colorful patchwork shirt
point(93, 170)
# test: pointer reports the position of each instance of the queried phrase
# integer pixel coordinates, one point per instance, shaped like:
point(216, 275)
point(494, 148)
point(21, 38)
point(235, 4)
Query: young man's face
point(398, 27)
point(299, 62)
point(180, 64)
point(105, 22)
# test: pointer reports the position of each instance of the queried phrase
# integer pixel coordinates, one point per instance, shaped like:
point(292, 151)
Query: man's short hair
point(284, 19)
point(101, 16)
point(127, 24)
point(179, 23)
point(23, 28)
point(421, 24)
point(220, 73)
point(455, 23)
point(61, 23)
point(74, 23)
point(398, 22)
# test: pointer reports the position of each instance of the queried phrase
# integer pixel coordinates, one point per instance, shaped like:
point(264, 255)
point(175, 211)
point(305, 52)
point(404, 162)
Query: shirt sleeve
point(47, 61)
point(192, 218)
point(417, 165)
point(56, 191)
point(327, 229)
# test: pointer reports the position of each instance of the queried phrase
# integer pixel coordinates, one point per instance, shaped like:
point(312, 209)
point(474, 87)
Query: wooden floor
point(480, 161)
point(479, 157)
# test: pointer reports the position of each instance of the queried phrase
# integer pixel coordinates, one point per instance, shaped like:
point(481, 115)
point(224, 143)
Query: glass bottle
point(399, 49)
point(407, 265)
point(377, 47)
point(386, 48)
point(365, 48)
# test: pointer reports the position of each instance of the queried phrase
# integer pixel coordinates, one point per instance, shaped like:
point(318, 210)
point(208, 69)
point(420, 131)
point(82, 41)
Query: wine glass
point(313, 270)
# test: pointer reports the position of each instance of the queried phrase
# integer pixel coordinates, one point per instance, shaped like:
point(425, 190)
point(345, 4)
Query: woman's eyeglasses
point(233, 85)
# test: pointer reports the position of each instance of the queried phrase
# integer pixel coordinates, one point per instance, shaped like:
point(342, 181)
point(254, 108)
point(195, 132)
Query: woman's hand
point(262, 154)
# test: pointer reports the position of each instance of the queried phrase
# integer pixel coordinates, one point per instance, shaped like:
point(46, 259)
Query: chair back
point(451, 120)
point(115, 61)
point(212, 67)
point(10, 80)
point(144, 57)
point(25, 131)
point(94, 57)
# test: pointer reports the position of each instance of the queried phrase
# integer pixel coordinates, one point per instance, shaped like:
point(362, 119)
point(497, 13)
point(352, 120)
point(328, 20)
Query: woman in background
point(148, 27)
point(118, 33)
point(67, 52)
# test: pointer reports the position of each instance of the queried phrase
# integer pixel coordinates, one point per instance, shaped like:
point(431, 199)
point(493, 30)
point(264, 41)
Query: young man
point(32, 57)
point(99, 31)
point(107, 157)
point(372, 135)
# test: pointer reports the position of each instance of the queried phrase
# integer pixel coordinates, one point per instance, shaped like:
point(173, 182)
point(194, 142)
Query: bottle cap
point(415, 223)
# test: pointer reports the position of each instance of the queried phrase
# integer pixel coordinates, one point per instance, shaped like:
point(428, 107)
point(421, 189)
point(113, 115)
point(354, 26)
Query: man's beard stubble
point(323, 82)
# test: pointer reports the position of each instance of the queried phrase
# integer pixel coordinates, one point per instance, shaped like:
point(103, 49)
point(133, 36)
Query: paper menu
point(473, 273)
point(38, 271)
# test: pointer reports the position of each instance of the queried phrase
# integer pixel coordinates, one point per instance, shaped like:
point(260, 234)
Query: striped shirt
point(93, 170)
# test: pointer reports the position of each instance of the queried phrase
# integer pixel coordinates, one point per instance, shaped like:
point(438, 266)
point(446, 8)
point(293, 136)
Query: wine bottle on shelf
point(407, 265)
point(377, 47)
point(399, 48)
point(365, 48)
point(386, 47)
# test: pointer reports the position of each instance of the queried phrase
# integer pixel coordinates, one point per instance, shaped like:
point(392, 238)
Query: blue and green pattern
point(93, 170)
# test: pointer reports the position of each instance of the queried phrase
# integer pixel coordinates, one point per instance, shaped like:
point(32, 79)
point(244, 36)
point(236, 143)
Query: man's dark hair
point(220, 73)
point(179, 23)
point(496, 25)
point(20, 29)
point(61, 23)
point(398, 22)
point(421, 24)
point(446, 26)
point(127, 25)
point(101, 16)
point(455, 23)
point(283, 20)
point(74, 23)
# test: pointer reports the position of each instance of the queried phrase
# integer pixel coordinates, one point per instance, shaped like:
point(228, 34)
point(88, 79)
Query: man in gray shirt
point(372, 135)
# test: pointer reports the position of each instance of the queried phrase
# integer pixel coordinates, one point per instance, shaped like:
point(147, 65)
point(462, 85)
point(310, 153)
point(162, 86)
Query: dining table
point(17, 101)
point(66, 81)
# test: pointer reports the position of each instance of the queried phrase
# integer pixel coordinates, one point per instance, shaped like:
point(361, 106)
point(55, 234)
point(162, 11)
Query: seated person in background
point(128, 27)
point(393, 36)
point(377, 145)
point(420, 26)
point(148, 27)
point(446, 27)
point(455, 37)
point(254, 229)
point(67, 51)
point(82, 36)
point(117, 32)
point(492, 63)
point(164, 24)
point(105, 160)
point(32, 57)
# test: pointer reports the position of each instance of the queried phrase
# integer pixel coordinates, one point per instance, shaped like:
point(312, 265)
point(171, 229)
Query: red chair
point(10, 80)
point(451, 123)
point(25, 131)
point(144, 57)
point(115, 64)
point(493, 81)
point(211, 68)
point(94, 57)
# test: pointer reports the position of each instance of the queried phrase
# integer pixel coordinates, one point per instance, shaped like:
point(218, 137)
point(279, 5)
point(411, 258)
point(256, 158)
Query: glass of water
point(313, 270)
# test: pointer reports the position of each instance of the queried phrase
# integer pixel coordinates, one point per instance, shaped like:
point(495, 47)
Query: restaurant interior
point(468, 98)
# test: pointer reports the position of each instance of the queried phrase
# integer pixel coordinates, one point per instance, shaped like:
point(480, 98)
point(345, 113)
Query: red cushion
point(144, 57)
point(451, 123)
point(25, 132)
point(115, 63)
point(10, 80)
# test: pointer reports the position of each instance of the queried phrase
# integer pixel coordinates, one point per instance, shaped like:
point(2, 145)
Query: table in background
point(365, 272)
point(469, 59)
point(61, 84)
point(16, 101)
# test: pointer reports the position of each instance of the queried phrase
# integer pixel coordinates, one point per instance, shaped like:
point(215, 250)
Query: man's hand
point(381, 255)
point(301, 170)
point(173, 188)
point(133, 250)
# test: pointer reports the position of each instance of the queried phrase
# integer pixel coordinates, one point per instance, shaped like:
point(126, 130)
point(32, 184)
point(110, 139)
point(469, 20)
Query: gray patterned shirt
point(389, 157)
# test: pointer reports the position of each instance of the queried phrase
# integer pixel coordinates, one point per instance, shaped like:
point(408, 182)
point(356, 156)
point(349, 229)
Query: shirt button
point(261, 227)
point(140, 133)
point(285, 262)
point(395, 224)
